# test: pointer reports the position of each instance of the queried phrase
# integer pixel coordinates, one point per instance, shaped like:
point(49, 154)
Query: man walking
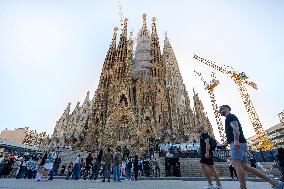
point(76, 172)
point(29, 168)
point(108, 161)
point(238, 150)
point(15, 168)
point(206, 161)
point(231, 168)
point(157, 168)
point(49, 165)
point(135, 167)
point(89, 160)
point(98, 164)
point(117, 165)
point(128, 167)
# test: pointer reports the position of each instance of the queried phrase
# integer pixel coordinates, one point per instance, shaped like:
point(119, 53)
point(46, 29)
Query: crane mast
point(240, 79)
point(210, 89)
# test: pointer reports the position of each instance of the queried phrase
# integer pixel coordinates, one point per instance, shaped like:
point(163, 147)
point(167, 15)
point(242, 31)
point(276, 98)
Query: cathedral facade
point(140, 97)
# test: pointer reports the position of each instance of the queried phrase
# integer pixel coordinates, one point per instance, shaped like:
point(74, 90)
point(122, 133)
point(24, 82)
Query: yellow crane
point(241, 80)
point(209, 87)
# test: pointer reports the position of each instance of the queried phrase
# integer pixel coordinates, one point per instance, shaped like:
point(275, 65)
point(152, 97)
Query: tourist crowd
point(104, 164)
point(27, 165)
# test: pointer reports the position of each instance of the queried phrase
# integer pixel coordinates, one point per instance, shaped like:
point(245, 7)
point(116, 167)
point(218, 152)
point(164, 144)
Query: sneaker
point(209, 187)
point(279, 185)
point(218, 187)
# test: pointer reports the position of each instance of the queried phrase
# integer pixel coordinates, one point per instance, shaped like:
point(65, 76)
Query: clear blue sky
point(51, 52)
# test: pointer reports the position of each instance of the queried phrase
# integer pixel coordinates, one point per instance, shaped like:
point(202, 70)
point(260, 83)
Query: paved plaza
point(141, 184)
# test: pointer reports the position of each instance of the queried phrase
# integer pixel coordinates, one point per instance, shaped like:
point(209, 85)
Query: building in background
point(17, 135)
point(25, 136)
point(275, 134)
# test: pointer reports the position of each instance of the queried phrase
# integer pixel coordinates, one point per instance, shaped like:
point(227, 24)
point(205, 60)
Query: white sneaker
point(209, 187)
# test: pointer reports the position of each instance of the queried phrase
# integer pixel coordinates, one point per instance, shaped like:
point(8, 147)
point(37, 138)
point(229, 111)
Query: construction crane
point(209, 87)
point(240, 79)
point(120, 12)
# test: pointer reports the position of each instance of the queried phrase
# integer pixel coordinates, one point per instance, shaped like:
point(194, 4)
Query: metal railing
point(221, 155)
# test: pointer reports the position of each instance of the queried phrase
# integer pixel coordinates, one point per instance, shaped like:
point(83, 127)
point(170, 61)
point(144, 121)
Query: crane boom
point(210, 89)
point(212, 64)
point(240, 79)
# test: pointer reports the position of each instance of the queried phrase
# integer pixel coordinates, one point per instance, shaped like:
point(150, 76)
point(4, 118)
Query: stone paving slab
point(141, 184)
point(253, 179)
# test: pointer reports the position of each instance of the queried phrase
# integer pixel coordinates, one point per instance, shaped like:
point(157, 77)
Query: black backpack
point(213, 143)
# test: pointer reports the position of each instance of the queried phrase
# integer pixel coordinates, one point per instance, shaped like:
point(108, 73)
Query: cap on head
point(225, 106)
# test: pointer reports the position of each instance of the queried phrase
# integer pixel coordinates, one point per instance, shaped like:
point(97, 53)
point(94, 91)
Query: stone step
point(190, 167)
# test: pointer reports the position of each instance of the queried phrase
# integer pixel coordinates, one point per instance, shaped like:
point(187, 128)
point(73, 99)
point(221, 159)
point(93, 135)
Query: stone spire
point(87, 98)
point(94, 98)
point(155, 46)
point(201, 115)
point(171, 65)
point(129, 52)
point(76, 109)
point(67, 110)
point(142, 61)
point(110, 57)
point(167, 44)
point(178, 103)
point(122, 45)
point(144, 30)
point(124, 31)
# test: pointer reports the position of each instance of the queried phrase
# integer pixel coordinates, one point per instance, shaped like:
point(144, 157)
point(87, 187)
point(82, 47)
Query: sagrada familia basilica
point(140, 96)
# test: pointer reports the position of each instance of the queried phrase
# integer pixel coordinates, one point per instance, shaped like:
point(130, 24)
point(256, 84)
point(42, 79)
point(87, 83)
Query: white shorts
point(48, 166)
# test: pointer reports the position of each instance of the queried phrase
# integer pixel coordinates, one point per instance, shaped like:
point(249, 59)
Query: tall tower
point(120, 125)
point(99, 108)
point(149, 92)
point(180, 113)
point(158, 70)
